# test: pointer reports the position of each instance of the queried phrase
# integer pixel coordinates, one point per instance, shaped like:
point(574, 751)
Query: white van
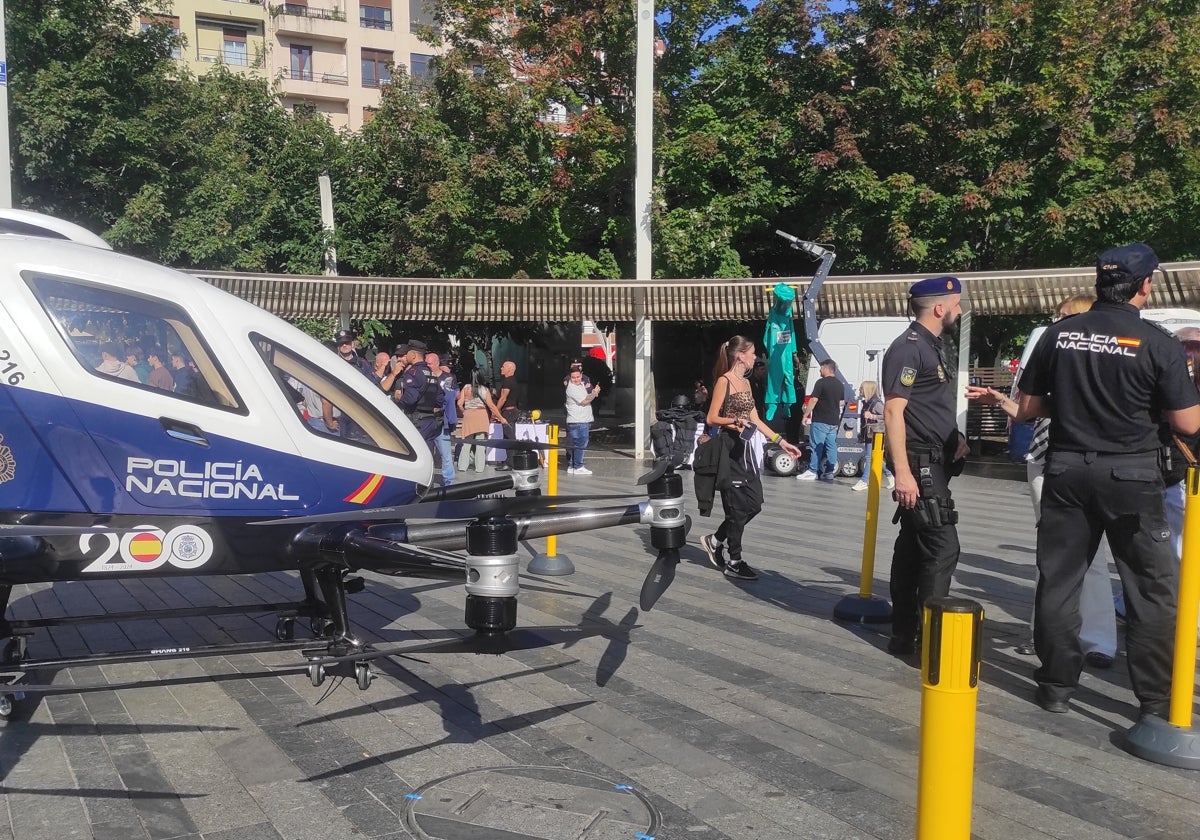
point(857, 346)
point(1020, 435)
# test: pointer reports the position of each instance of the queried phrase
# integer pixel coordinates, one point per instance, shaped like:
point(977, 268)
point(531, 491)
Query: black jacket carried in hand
point(711, 467)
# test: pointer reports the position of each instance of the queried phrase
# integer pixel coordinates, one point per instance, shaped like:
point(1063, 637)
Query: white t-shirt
point(577, 412)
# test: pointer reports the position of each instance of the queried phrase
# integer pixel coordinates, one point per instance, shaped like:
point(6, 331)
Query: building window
point(375, 14)
point(302, 63)
point(233, 47)
point(376, 67)
point(421, 67)
point(164, 20)
point(419, 14)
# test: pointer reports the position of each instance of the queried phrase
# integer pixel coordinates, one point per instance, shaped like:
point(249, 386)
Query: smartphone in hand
point(748, 431)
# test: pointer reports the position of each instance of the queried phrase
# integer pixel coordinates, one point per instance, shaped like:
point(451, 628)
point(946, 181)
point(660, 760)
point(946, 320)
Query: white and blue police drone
point(205, 462)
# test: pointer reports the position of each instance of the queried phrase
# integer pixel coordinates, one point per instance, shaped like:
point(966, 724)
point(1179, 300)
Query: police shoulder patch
point(907, 376)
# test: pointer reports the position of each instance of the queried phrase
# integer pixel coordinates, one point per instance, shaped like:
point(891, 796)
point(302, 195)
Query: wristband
point(776, 438)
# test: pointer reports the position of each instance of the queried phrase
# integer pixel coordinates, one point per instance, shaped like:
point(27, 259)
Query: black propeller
point(659, 578)
point(661, 467)
point(446, 509)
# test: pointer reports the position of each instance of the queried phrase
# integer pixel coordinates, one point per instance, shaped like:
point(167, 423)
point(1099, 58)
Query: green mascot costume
point(780, 341)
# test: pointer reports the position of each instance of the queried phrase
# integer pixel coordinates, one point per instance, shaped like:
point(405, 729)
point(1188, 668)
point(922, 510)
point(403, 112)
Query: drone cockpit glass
point(325, 404)
point(141, 341)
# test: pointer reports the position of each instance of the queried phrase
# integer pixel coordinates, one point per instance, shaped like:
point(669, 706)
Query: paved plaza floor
point(730, 711)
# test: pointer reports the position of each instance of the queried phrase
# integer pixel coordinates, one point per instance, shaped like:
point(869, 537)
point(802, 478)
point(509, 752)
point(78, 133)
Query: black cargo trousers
point(926, 550)
point(1084, 495)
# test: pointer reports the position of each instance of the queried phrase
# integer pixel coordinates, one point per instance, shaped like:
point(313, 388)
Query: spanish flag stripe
point(367, 491)
point(1129, 342)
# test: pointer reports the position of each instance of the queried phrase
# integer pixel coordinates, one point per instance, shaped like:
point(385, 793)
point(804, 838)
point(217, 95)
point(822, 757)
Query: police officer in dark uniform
point(343, 341)
point(1108, 379)
point(925, 449)
point(421, 395)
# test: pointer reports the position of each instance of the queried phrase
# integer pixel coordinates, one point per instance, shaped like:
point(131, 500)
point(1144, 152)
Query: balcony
point(314, 84)
point(328, 23)
point(230, 58)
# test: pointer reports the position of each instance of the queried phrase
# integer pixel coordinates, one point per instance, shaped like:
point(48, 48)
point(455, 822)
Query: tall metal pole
point(5, 155)
point(642, 188)
point(329, 228)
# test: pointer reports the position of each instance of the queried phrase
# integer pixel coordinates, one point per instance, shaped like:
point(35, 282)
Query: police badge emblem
point(941, 374)
point(908, 376)
point(8, 464)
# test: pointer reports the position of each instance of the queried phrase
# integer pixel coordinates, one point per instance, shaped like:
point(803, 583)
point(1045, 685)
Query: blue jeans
point(577, 441)
point(822, 437)
point(867, 458)
point(446, 452)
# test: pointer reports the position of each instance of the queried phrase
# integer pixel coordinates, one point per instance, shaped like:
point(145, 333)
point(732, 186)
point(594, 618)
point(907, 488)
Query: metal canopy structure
point(1031, 292)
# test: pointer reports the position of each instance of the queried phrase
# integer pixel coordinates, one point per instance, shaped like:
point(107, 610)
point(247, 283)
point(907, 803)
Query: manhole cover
point(529, 803)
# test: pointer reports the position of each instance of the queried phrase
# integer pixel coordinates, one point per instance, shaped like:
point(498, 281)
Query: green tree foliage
point(970, 135)
point(93, 107)
point(947, 135)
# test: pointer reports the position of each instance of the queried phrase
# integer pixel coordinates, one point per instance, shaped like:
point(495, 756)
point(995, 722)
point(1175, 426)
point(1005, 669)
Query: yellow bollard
point(950, 660)
point(865, 607)
point(551, 563)
point(1183, 676)
point(1175, 742)
point(552, 483)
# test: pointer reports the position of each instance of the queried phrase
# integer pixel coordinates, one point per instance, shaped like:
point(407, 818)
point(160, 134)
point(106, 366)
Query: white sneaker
point(890, 482)
point(860, 486)
point(582, 471)
point(570, 471)
point(807, 475)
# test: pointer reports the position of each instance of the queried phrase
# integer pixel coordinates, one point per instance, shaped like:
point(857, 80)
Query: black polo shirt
point(914, 369)
point(516, 392)
point(1110, 375)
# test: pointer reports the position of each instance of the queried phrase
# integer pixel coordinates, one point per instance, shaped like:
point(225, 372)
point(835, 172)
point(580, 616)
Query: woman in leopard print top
point(732, 411)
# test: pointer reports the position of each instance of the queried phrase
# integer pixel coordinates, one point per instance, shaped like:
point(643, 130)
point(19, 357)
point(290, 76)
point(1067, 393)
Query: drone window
point(311, 390)
point(102, 327)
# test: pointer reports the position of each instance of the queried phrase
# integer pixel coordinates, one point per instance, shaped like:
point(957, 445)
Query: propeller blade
point(448, 509)
point(660, 576)
point(661, 467)
point(51, 530)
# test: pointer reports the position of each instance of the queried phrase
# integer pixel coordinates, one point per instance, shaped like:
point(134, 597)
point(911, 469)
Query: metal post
point(1176, 743)
point(864, 606)
point(551, 563)
point(6, 199)
point(643, 111)
point(950, 657)
point(331, 268)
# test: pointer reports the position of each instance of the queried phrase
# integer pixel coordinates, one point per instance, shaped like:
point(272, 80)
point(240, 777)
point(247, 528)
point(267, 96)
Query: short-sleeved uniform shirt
point(828, 393)
point(420, 390)
point(1109, 376)
point(914, 369)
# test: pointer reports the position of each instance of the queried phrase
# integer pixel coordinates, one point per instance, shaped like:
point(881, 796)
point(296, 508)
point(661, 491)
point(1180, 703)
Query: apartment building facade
point(329, 56)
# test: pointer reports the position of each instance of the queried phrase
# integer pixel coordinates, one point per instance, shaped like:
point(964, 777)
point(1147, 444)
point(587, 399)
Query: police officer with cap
point(421, 395)
point(343, 341)
point(1107, 380)
point(925, 449)
point(389, 382)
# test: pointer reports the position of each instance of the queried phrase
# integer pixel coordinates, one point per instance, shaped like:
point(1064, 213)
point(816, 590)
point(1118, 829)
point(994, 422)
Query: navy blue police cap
point(945, 285)
point(1125, 264)
point(418, 345)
